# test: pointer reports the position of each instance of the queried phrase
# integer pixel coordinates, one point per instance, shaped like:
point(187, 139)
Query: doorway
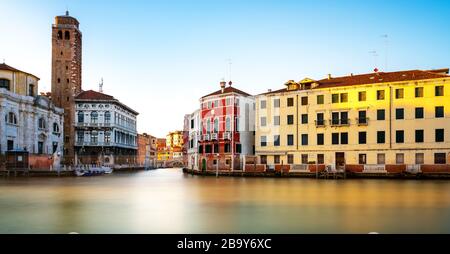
point(203, 164)
point(340, 161)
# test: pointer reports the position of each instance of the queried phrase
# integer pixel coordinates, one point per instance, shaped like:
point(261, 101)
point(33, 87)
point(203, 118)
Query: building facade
point(174, 144)
point(105, 130)
point(358, 122)
point(226, 131)
point(29, 121)
point(193, 133)
point(146, 150)
point(66, 75)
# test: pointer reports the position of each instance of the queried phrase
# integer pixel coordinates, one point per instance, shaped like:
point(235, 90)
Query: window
point(304, 118)
point(276, 140)
point(362, 117)
point(290, 159)
point(419, 113)
point(344, 118)
point(94, 117)
point(238, 148)
point(216, 125)
point(320, 121)
point(381, 159)
point(320, 99)
point(399, 113)
point(67, 35)
point(10, 145)
point(362, 137)
point(304, 100)
point(320, 139)
point(335, 138)
point(362, 96)
point(418, 92)
point(439, 112)
point(381, 137)
point(30, 90)
point(276, 103)
point(362, 158)
point(400, 136)
point(40, 147)
point(335, 118)
point(344, 97)
point(420, 158)
point(320, 158)
point(80, 117)
point(290, 102)
point(399, 158)
point(208, 149)
point(107, 117)
point(11, 118)
point(200, 149)
point(216, 148)
point(439, 135)
point(276, 120)
point(55, 128)
point(263, 104)
point(381, 114)
point(228, 124)
point(263, 141)
point(290, 140)
point(344, 138)
point(41, 123)
point(108, 138)
point(208, 126)
point(304, 158)
point(290, 119)
point(60, 35)
point(4, 83)
point(263, 159)
point(380, 95)
point(335, 98)
point(304, 139)
point(80, 136)
point(419, 136)
point(399, 93)
point(439, 158)
point(237, 124)
point(263, 121)
point(439, 91)
point(276, 159)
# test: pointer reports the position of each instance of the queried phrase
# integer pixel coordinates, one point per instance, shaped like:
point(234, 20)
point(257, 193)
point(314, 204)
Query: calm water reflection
point(166, 201)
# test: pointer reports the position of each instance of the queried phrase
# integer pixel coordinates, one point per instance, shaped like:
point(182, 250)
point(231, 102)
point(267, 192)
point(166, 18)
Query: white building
point(28, 121)
point(194, 133)
point(105, 130)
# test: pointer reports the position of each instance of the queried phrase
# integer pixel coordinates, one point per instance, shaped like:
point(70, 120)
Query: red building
point(226, 129)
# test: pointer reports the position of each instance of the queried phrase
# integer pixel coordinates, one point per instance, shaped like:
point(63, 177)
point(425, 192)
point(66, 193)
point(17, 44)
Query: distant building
point(28, 121)
point(105, 130)
point(193, 134)
point(147, 150)
point(174, 144)
point(162, 151)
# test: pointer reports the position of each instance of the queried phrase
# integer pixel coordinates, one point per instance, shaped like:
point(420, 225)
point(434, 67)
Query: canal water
point(168, 201)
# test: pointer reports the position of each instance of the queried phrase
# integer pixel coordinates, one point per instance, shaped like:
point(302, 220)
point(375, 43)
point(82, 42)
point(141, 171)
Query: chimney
point(329, 76)
point(222, 85)
point(351, 74)
point(269, 90)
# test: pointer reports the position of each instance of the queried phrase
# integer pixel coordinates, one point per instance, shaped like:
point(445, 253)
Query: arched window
point(107, 117)
point(67, 35)
point(4, 83)
point(228, 124)
point(55, 128)
point(216, 125)
point(11, 118)
point(237, 124)
point(94, 117)
point(59, 35)
point(208, 126)
point(41, 123)
point(80, 117)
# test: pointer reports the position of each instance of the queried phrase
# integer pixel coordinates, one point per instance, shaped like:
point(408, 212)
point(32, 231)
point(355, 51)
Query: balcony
point(206, 137)
point(199, 137)
point(362, 121)
point(227, 135)
point(340, 122)
point(87, 143)
point(320, 123)
point(214, 136)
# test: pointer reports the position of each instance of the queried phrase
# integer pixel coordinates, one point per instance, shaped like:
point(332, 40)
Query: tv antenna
point(100, 86)
point(386, 47)
point(229, 68)
point(374, 55)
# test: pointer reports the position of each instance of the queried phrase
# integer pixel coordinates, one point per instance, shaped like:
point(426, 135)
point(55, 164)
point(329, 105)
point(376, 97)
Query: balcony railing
point(88, 143)
point(362, 121)
point(340, 122)
point(214, 136)
point(227, 135)
point(206, 137)
point(320, 123)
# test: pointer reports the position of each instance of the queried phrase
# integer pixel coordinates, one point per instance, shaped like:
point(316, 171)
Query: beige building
point(373, 120)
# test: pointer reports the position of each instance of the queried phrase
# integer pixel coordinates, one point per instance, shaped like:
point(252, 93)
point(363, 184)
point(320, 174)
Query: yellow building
point(174, 143)
point(375, 119)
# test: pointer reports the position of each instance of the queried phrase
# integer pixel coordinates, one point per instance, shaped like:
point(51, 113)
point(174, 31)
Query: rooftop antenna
point(375, 55)
point(67, 11)
point(3, 60)
point(229, 68)
point(100, 86)
point(386, 45)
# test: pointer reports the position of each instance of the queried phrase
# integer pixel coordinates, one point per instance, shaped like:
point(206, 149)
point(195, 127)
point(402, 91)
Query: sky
point(160, 57)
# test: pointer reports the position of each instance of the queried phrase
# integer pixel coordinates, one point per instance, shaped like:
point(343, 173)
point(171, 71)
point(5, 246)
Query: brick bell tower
point(66, 76)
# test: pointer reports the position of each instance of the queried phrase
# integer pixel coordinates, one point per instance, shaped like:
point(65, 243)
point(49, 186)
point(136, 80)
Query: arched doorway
point(203, 164)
